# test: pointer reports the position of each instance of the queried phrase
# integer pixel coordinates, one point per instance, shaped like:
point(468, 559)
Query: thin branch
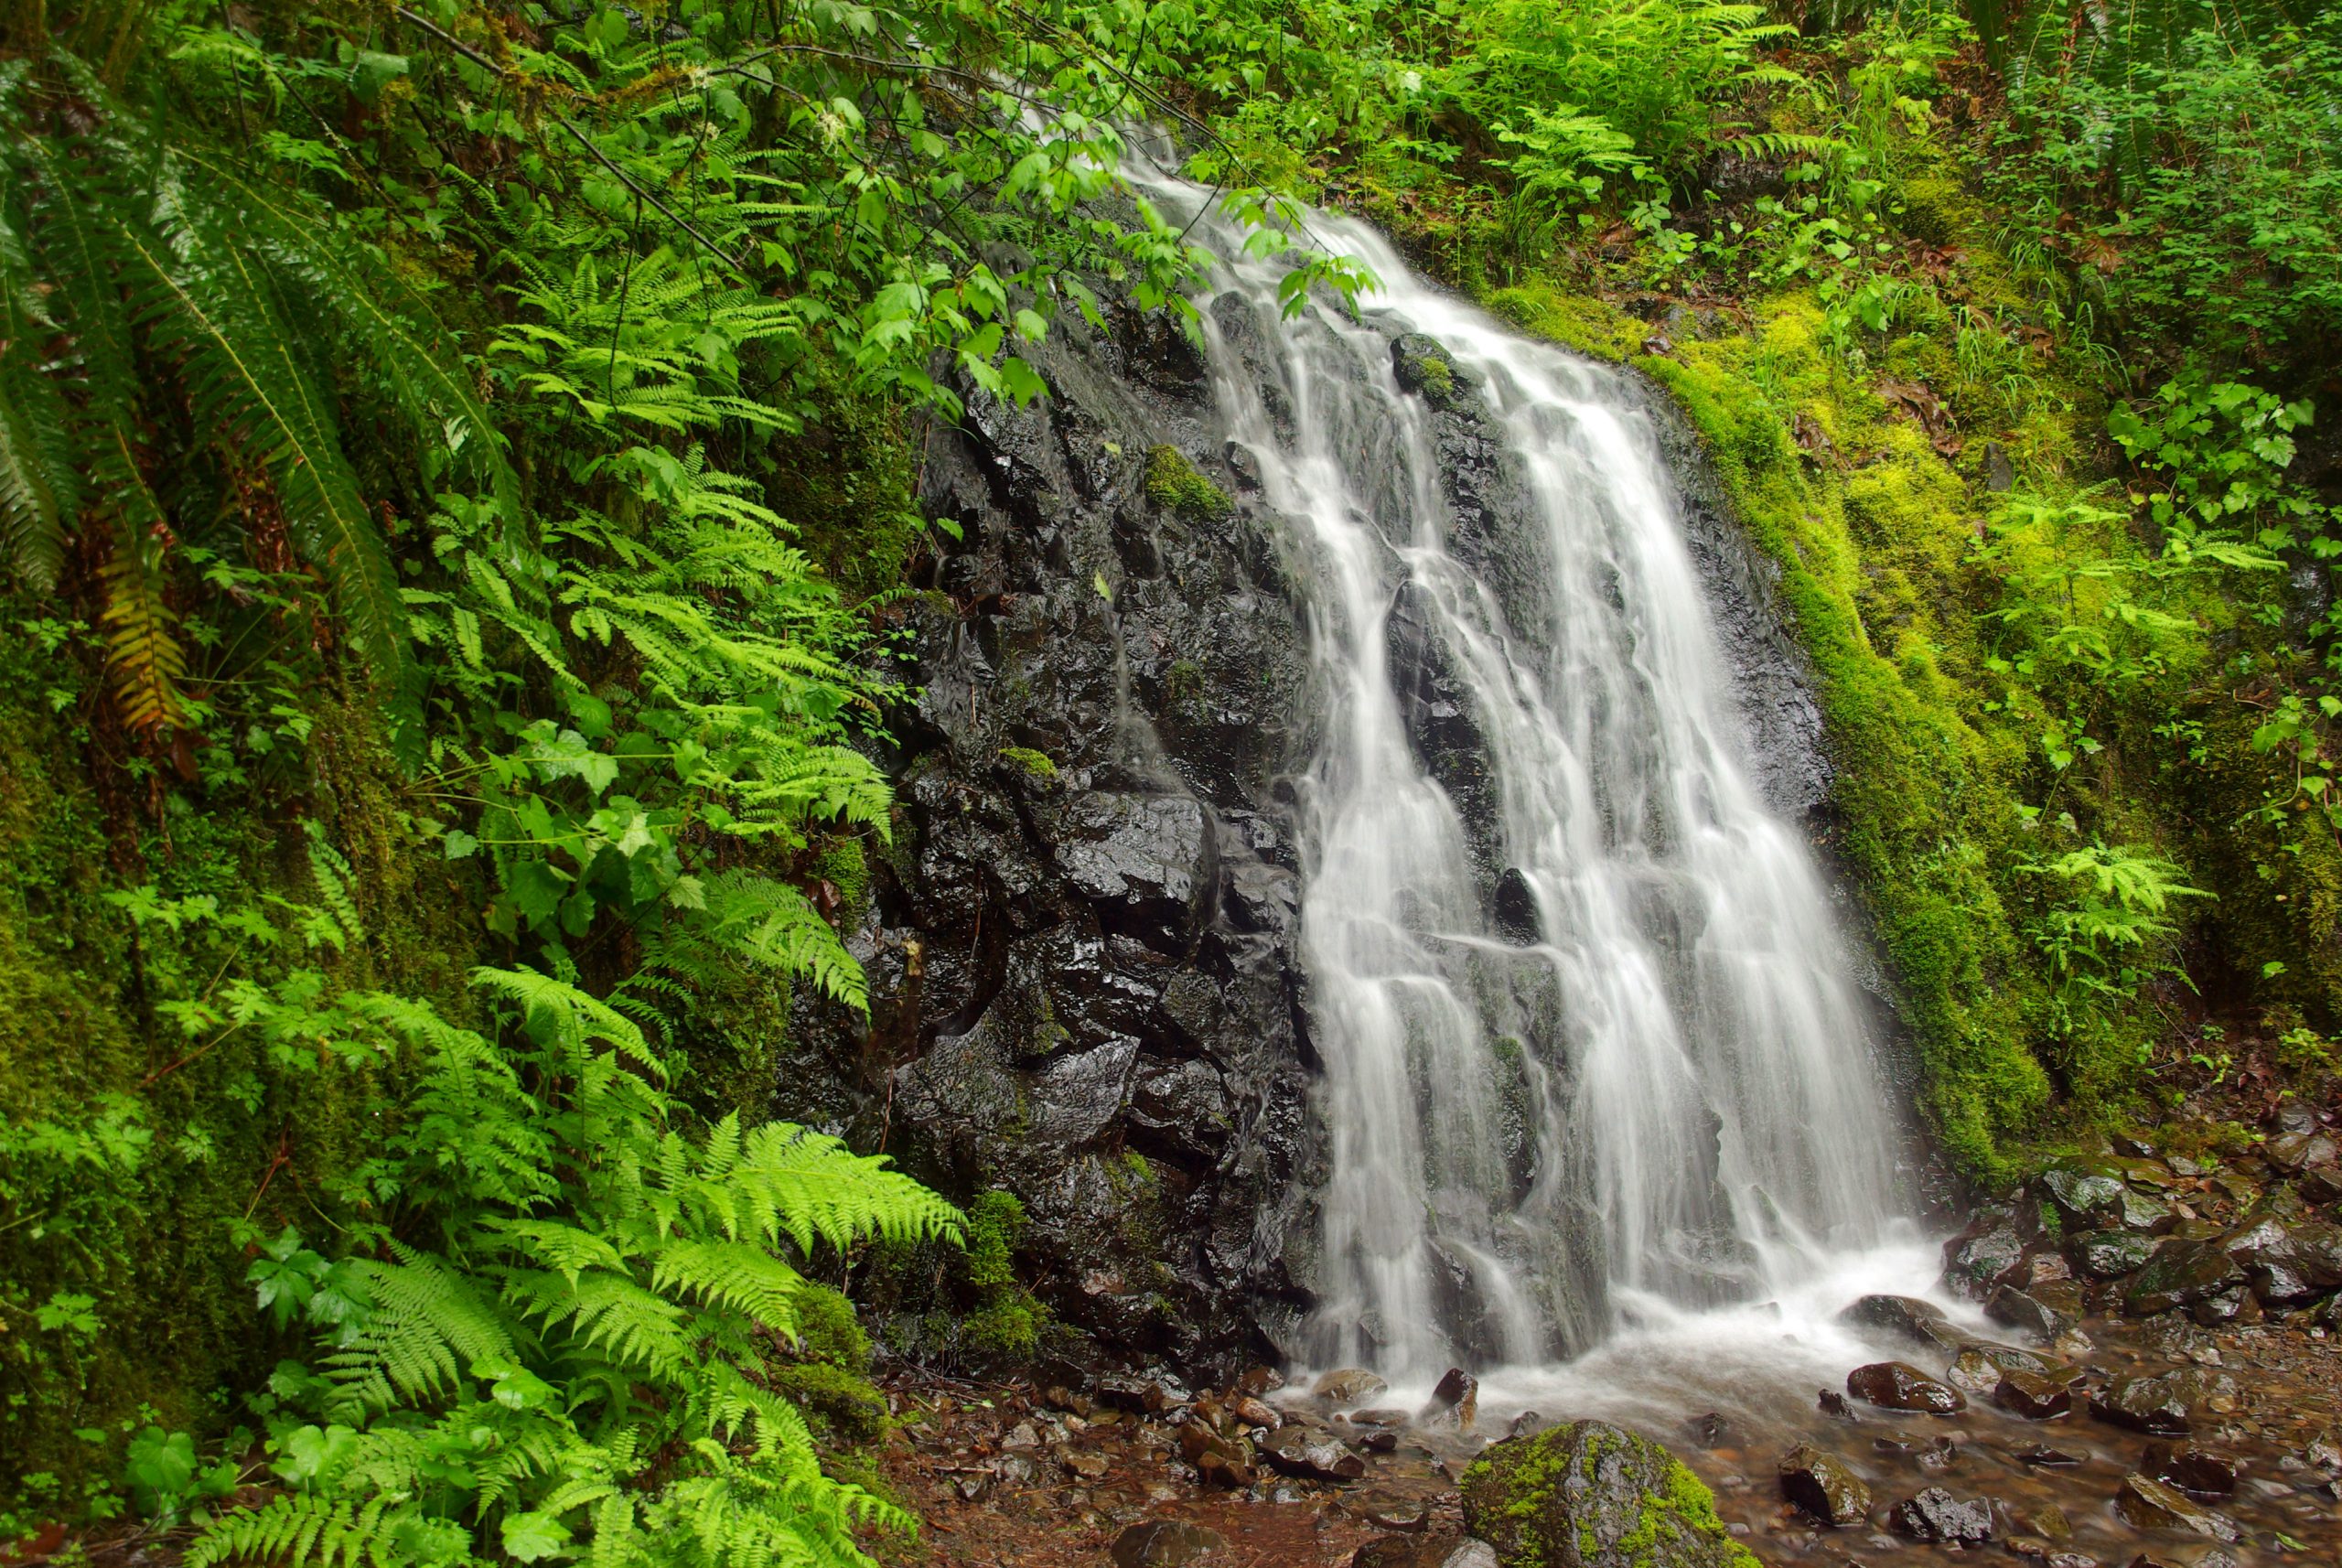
point(1165, 105)
point(583, 140)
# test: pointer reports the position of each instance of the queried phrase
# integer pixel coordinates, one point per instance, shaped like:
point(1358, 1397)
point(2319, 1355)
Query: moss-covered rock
point(828, 1374)
point(1036, 764)
point(1173, 484)
point(1590, 1495)
point(1008, 1323)
point(1422, 367)
point(132, 1157)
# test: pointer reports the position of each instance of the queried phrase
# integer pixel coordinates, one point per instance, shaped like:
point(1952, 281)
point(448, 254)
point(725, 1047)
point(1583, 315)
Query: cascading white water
point(1651, 1081)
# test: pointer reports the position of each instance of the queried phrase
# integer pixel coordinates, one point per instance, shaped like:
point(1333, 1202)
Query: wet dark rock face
point(1084, 943)
point(1492, 526)
point(1081, 945)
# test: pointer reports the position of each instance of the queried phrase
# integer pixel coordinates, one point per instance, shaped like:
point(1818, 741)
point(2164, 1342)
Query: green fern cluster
point(561, 1344)
point(437, 374)
point(160, 311)
point(1658, 72)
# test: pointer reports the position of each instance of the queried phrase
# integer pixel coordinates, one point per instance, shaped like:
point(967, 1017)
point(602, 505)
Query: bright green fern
point(560, 1348)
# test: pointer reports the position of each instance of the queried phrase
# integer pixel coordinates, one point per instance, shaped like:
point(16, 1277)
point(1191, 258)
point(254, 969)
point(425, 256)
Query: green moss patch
point(1173, 484)
point(1590, 1495)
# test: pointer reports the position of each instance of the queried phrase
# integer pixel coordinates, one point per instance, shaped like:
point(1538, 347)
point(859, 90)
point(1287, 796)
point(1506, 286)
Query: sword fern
point(155, 305)
point(560, 1350)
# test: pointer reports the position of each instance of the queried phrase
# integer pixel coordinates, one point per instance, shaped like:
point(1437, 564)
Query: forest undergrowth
point(456, 467)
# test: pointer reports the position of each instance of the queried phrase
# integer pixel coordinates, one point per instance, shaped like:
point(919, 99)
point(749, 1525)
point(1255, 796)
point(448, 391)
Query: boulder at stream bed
point(1823, 1486)
point(1425, 1552)
point(1590, 1495)
point(2110, 1254)
point(1348, 1385)
point(2181, 1273)
point(2165, 1405)
point(1310, 1455)
point(2033, 1396)
point(2191, 1466)
point(1898, 1385)
point(2046, 1310)
point(1921, 1321)
point(1936, 1515)
point(1168, 1543)
point(1457, 1397)
point(1982, 1257)
point(2148, 1504)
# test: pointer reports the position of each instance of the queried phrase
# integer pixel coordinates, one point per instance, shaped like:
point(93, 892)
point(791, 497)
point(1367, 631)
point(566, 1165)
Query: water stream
point(1594, 1057)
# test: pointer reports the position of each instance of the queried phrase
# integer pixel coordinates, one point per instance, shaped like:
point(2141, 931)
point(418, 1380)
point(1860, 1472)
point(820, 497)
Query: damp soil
point(2288, 1391)
point(986, 1467)
point(944, 1462)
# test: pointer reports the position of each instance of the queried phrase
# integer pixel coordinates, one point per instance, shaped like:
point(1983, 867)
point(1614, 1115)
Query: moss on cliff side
point(135, 1158)
point(1173, 484)
point(1869, 525)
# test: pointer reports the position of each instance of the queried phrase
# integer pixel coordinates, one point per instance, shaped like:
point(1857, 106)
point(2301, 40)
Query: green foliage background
point(456, 460)
point(2021, 411)
point(452, 466)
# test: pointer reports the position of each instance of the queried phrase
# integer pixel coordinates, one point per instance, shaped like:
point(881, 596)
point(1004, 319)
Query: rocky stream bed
point(2156, 1382)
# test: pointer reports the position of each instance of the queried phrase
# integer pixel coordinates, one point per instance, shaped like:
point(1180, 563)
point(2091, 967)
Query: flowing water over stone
point(1589, 1032)
point(1369, 916)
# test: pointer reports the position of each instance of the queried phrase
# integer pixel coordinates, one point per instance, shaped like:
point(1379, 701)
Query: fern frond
point(209, 298)
point(611, 1313)
point(430, 1323)
point(527, 1450)
point(333, 876)
point(147, 661)
point(296, 1531)
point(472, 1134)
point(437, 397)
point(732, 1408)
point(580, 1017)
point(816, 783)
point(619, 1540)
point(552, 1244)
point(736, 1276)
point(1784, 144)
point(773, 925)
point(721, 1154)
point(810, 1188)
point(39, 493)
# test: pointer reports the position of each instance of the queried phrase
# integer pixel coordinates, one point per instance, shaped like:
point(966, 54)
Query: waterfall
point(1588, 1031)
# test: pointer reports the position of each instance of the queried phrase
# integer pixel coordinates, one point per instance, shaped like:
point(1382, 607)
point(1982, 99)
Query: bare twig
point(583, 140)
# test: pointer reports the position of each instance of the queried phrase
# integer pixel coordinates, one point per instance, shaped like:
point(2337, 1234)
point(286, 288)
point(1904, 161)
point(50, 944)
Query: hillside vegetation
point(456, 478)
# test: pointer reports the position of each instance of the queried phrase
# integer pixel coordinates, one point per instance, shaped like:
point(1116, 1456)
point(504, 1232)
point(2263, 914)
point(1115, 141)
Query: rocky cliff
point(1085, 976)
point(1082, 952)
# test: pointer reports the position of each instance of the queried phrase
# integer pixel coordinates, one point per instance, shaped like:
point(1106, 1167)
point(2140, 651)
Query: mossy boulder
point(1422, 366)
point(1590, 1495)
point(826, 1371)
point(1173, 484)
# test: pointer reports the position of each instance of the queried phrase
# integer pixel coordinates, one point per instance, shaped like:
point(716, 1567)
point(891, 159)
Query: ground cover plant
point(394, 403)
point(444, 665)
